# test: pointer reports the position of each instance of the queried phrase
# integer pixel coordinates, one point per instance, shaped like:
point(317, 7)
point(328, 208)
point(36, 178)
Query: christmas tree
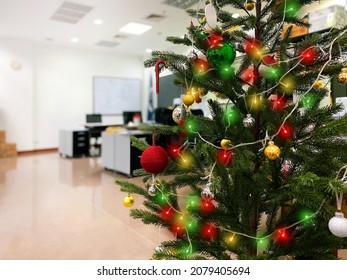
point(262, 177)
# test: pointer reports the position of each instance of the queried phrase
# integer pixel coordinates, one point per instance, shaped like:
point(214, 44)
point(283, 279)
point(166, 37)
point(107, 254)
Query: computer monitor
point(93, 118)
point(128, 116)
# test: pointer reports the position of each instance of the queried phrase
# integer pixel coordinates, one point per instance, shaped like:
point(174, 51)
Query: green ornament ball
point(221, 55)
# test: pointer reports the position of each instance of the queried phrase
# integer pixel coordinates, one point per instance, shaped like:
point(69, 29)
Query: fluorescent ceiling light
point(135, 28)
point(98, 21)
point(74, 40)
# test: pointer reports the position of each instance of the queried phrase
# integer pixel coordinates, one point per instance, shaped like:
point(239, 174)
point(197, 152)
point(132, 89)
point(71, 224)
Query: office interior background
point(48, 59)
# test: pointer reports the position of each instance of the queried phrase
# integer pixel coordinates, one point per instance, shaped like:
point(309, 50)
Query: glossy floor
point(63, 209)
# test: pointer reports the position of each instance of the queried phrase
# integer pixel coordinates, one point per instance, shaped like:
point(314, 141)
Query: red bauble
point(225, 157)
point(250, 75)
point(269, 59)
point(154, 159)
point(308, 56)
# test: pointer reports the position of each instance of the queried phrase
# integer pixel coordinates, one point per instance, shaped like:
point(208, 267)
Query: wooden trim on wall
point(35, 152)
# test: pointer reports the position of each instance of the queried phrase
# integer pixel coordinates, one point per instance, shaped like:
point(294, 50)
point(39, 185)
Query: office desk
point(82, 141)
point(117, 153)
point(74, 142)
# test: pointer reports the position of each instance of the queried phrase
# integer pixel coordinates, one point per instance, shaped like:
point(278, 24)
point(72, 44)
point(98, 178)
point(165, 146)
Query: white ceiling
point(30, 20)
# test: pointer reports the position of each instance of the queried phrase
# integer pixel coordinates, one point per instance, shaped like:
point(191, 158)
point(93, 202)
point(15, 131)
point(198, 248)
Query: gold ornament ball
point(188, 99)
point(272, 151)
point(317, 84)
point(249, 6)
point(225, 143)
point(128, 201)
point(342, 76)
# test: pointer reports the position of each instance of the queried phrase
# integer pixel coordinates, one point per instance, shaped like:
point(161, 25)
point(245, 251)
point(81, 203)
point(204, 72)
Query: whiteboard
point(113, 96)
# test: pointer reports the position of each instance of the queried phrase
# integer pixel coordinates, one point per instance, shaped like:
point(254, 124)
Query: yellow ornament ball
point(128, 201)
point(272, 151)
point(225, 143)
point(318, 84)
point(188, 99)
point(249, 6)
point(342, 76)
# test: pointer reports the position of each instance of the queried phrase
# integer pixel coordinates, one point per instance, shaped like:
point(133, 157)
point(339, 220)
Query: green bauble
point(221, 55)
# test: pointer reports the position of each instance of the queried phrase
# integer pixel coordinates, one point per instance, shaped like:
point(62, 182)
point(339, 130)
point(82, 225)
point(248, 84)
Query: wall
point(53, 89)
point(16, 92)
point(63, 87)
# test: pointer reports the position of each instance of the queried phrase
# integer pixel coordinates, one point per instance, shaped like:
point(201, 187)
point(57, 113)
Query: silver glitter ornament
point(159, 249)
point(206, 192)
point(152, 190)
point(176, 114)
point(248, 121)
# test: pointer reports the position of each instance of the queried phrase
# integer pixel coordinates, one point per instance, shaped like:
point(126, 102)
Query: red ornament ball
point(308, 56)
point(154, 159)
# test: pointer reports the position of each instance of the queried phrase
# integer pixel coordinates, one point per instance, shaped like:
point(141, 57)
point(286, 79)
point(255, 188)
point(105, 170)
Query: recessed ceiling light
point(135, 28)
point(74, 40)
point(98, 21)
point(149, 50)
point(235, 15)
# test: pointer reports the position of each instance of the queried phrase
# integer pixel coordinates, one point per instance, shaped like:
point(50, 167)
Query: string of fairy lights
point(209, 229)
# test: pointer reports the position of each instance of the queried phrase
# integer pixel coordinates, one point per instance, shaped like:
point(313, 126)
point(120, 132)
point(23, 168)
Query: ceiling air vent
point(182, 4)
point(107, 44)
point(70, 12)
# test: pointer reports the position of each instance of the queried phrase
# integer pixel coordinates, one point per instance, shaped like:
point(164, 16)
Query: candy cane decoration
point(157, 70)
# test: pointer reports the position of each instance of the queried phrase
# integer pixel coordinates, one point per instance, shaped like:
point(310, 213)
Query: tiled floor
point(53, 208)
point(62, 209)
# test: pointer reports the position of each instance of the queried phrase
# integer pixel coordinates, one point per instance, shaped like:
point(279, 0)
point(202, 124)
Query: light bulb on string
point(178, 229)
point(279, 102)
point(185, 159)
point(193, 202)
point(208, 231)
point(191, 225)
point(214, 39)
point(167, 213)
point(282, 236)
point(287, 84)
point(206, 206)
point(254, 102)
point(185, 250)
point(173, 151)
point(225, 157)
point(286, 131)
point(253, 48)
point(230, 239)
point(200, 67)
point(162, 198)
point(231, 115)
point(292, 8)
point(309, 100)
